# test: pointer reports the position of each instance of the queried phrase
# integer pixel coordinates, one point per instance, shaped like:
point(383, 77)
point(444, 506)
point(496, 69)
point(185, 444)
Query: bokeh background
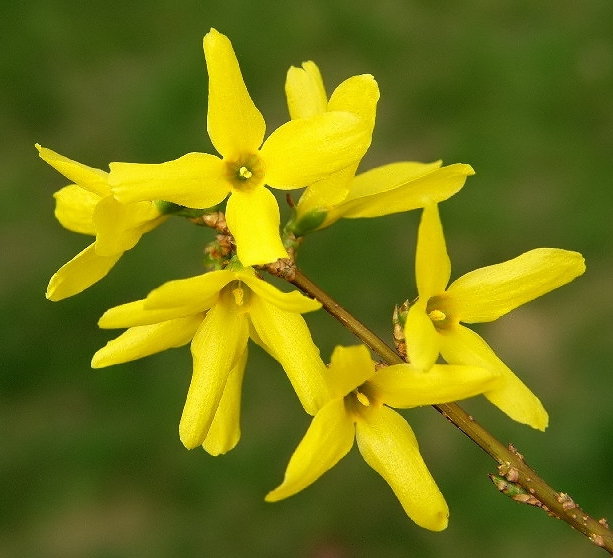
point(91, 464)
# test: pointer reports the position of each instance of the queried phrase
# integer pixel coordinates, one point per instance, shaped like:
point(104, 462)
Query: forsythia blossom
point(391, 188)
point(88, 207)
point(218, 312)
point(319, 149)
point(359, 408)
point(434, 323)
point(296, 154)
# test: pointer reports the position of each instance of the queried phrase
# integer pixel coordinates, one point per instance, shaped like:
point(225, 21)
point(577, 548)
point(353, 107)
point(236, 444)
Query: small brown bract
point(512, 474)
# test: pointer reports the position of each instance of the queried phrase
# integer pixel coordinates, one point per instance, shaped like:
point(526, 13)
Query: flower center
point(237, 296)
point(439, 311)
point(245, 173)
point(437, 315)
point(361, 400)
point(362, 397)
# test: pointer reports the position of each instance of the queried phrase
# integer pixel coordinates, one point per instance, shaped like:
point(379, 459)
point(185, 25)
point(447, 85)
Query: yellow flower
point(88, 207)
point(306, 98)
point(218, 312)
point(391, 188)
point(296, 154)
point(359, 408)
point(433, 324)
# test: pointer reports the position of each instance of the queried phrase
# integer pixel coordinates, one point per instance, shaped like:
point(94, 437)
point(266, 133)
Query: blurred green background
point(91, 464)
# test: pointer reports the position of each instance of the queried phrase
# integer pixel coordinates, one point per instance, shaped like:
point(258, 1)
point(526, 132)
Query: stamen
point(437, 316)
point(244, 173)
point(362, 398)
point(239, 296)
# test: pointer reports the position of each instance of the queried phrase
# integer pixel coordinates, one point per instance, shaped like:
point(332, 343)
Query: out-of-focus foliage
point(91, 462)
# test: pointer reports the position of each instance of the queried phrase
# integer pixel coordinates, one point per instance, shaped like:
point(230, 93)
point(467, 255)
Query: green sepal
point(306, 223)
point(170, 208)
point(508, 488)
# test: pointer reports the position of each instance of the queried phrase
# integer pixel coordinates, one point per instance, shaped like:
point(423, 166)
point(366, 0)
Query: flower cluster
point(319, 150)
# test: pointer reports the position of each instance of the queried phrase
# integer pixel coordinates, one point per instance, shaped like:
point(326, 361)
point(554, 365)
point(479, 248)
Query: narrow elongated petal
point(289, 339)
point(199, 292)
point(403, 386)
point(135, 313)
point(94, 180)
point(253, 219)
point(290, 302)
point(305, 91)
point(388, 445)
point(349, 368)
point(234, 123)
point(306, 150)
point(400, 187)
point(490, 292)
point(389, 177)
point(216, 348)
point(328, 439)
point(358, 95)
point(421, 337)
point(432, 265)
point(195, 180)
point(119, 226)
point(142, 341)
point(326, 193)
point(460, 345)
point(74, 209)
point(85, 269)
point(225, 431)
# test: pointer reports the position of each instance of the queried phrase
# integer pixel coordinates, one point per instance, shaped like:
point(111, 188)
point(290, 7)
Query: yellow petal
point(306, 150)
point(389, 446)
point(74, 209)
point(490, 292)
point(399, 187)
point(389, 177)
point(135, 313)
point(119, 226)
point(199, 292)
point(291, 302)
point(324, 194)
point(93, 180)
point(142, 341)
point(358, 95)
point(253, 219)
point(290, 343)
point(234, 123)
point(349, 368)
point(305, 91)
point(195, 180)
point(460, 345)
point(403, 386)
point(225, 431)
point(216, 349)
point(328, 439)
point(432, 265)
point(85, 269)
point(421, 337)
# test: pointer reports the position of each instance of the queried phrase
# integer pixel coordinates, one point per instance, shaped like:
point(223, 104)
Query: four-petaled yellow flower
point(391, 188)
point(295, 155)
point(219, 311)
point(359, 408)
point(434, 322)
point(88, 207)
